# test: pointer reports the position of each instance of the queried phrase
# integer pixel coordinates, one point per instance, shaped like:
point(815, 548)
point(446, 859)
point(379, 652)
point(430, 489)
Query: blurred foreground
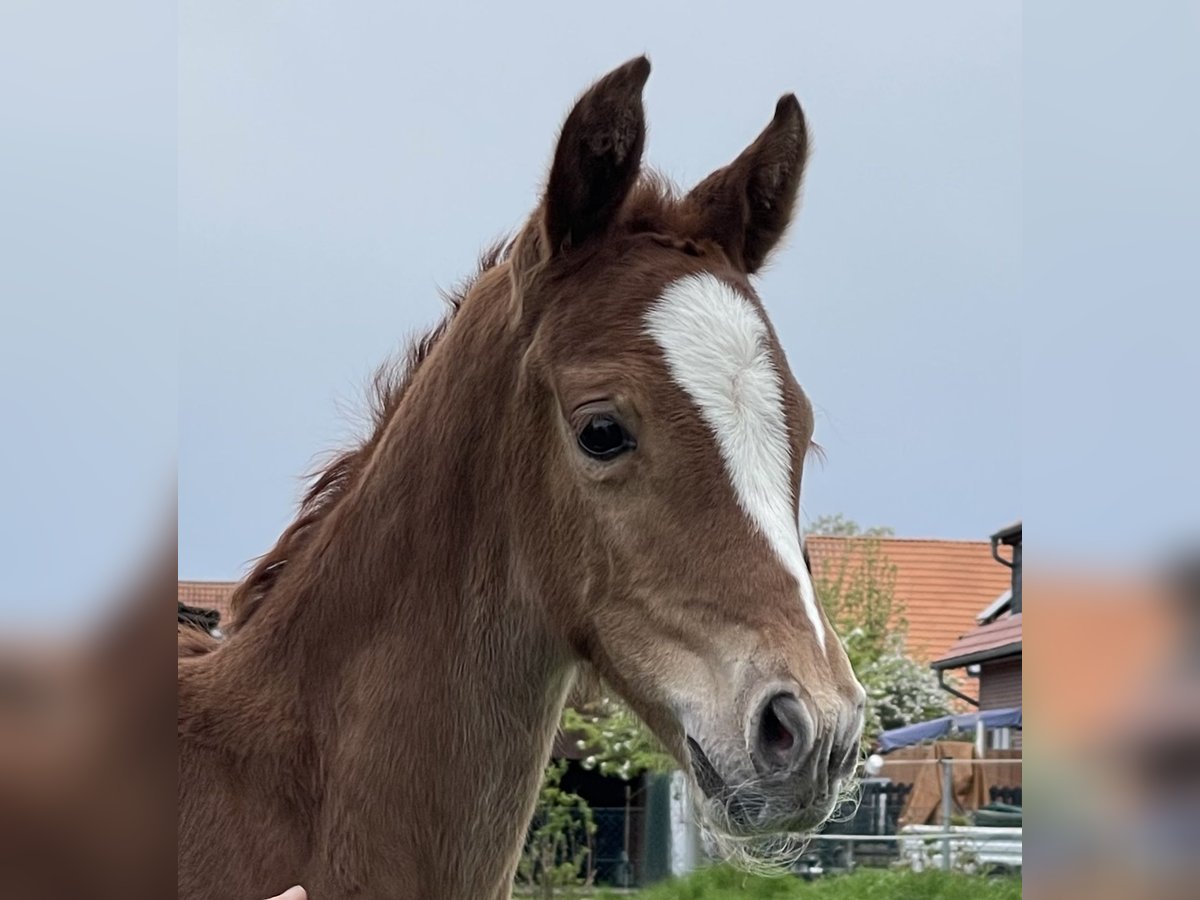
point(1113, 755)
point(87, 755)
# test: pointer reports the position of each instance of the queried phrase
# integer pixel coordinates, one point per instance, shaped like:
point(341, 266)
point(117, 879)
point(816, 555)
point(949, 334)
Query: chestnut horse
point(594, 460)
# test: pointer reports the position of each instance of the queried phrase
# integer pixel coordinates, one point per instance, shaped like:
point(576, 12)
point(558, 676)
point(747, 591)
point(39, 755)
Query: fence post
point(947, 809)
point(656, 833)
point(625, 878)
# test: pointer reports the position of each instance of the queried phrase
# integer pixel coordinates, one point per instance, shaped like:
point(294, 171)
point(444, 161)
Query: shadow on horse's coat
point(596, 458)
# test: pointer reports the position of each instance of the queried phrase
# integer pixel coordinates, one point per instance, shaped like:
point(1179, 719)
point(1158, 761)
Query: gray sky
point(338, 163)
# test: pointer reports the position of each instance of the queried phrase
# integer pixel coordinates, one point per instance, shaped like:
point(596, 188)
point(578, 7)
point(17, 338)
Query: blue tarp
point(928, 731)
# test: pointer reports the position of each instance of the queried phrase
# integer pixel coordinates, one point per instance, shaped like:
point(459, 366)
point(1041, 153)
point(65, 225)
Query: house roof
point(208, 595)
point(990, 641)
point(942, 584)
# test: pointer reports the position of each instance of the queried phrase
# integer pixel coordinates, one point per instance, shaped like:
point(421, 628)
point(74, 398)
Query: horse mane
point(330, 483)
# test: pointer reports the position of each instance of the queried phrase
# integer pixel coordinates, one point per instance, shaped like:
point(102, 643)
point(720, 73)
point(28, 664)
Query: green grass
point(724, 883)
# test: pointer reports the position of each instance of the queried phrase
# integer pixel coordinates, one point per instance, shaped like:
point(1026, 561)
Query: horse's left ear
point(598, 157)
point(746, 206)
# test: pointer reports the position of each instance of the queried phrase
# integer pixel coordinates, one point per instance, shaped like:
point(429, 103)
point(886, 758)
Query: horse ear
point(746, 206)
point(598, 156)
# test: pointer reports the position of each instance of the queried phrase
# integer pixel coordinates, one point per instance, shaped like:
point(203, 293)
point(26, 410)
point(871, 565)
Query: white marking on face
point(716, 347)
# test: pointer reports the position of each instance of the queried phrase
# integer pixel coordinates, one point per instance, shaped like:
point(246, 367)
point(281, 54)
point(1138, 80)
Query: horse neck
point(410, 637)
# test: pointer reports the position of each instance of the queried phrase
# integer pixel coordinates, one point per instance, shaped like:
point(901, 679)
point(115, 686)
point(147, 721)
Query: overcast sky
point(338, 163)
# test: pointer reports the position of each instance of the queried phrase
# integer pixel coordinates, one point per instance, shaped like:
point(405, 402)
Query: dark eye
point(604, 438)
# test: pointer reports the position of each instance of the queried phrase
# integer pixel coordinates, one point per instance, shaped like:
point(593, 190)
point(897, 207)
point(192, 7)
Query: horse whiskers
point(850, 792)
point(768, 854)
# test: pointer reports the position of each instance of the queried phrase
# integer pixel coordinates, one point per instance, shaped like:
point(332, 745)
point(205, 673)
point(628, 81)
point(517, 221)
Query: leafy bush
point(558, 848)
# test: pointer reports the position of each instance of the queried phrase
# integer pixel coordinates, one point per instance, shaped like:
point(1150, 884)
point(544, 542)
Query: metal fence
point(868, 833)
point(612, 858)
point(613, 855)
point(876, 814)
point(871, 834)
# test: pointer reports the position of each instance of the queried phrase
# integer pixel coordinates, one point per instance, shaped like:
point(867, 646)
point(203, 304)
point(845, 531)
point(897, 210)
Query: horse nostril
point(775, 735)
point(781, 734)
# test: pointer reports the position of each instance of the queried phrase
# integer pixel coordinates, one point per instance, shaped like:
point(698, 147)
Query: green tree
point(856, 584)
point(617, 742)
point(838, 525)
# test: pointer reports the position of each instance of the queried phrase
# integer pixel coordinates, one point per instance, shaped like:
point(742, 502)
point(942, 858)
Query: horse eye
point(604, 438)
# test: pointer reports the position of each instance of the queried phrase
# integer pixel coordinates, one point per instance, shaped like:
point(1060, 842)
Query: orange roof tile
point(943, 585)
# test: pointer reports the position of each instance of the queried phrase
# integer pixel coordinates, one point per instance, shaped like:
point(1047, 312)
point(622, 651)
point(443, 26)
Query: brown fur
point(377, 722)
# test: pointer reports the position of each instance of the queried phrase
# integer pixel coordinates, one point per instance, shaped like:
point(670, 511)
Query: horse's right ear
point(597, 159)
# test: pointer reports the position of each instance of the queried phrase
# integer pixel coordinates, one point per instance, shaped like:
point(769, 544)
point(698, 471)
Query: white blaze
point(715, 344)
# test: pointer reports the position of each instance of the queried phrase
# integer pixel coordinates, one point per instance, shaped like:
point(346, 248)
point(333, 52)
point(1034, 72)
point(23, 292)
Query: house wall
point(1000, 688)
point(1000, 684)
